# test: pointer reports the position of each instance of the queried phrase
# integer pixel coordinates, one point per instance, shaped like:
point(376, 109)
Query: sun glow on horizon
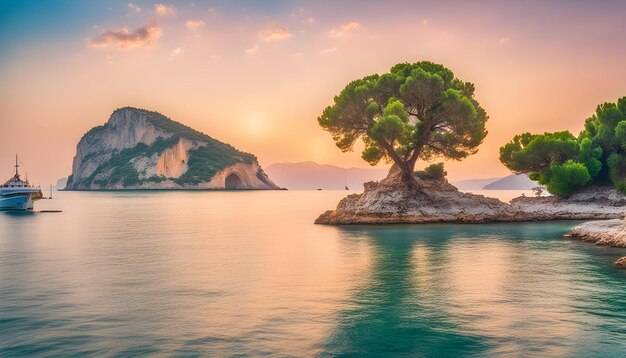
point(258, 76)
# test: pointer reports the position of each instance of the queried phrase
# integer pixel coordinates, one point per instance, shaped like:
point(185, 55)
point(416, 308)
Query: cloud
point(278, 33)
point(308, 20)
point(504, 40)
point(252, 49)
point(194, 24)
point(344, 29)
point(163, 10)
point(142, 37)
point(175, 52)
point(327, 50)
point(134, 7)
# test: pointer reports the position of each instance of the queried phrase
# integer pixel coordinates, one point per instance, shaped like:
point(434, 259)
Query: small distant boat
point(18, 194)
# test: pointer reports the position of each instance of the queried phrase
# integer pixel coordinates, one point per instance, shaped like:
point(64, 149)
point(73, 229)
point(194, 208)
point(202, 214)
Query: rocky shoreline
point(601, 232)
point(437, 201)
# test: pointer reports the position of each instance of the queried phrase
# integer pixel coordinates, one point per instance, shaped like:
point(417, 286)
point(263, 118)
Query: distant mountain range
point(511, 182)
point(473, 184)
point(311, 175)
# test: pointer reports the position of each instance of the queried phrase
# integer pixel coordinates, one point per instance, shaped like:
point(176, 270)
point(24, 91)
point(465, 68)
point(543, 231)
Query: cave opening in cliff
point(233, 182)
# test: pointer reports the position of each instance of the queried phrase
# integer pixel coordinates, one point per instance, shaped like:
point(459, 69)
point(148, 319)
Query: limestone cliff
point(140, 149)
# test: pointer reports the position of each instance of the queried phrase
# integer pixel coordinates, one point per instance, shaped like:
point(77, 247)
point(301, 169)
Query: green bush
point(565, 163)
point(567, 178)
point(433, 171)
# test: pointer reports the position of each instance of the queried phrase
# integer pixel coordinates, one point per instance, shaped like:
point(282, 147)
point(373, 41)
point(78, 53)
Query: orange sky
point(258, 77)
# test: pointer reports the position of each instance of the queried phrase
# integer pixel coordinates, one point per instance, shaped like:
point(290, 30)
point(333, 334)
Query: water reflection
point(475, 289)
point(388, 312)
point(247, 273)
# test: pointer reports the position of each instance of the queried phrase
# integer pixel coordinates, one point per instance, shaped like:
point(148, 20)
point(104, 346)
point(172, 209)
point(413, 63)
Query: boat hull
point(20, 202)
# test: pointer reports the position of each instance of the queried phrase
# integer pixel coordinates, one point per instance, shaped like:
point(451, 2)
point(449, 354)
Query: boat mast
point(16, 165)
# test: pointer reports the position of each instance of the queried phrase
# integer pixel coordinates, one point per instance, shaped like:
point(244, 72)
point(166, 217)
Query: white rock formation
point(172, 162)
point(132, 151)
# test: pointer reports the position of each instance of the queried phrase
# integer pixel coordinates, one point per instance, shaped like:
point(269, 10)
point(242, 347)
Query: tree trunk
point(407, 176)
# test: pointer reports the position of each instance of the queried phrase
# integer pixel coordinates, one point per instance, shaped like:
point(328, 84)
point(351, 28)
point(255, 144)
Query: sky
point(258, 74)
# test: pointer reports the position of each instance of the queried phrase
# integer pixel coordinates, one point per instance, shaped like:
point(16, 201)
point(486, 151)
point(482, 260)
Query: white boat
point(18, 194)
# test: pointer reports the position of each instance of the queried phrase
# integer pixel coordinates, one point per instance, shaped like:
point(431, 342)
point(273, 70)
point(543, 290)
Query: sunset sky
point(257, 74)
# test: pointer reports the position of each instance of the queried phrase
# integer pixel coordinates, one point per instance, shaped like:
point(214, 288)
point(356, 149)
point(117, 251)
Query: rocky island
point(421, 111)
point(437, 201)
point(141, 149)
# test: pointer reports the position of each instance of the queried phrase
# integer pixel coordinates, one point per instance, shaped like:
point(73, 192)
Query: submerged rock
point(602, 232)
point(140, 149)
point(437, 201)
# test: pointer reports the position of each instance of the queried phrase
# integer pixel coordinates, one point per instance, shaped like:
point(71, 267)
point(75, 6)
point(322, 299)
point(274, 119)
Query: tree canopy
point(565, 163)
point(415, 111)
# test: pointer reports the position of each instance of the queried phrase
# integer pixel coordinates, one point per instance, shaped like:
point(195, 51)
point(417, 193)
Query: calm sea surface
point(248, 274)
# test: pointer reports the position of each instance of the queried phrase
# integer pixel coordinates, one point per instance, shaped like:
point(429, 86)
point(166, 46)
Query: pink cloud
point(194, 24)
point(344, 29)
point(142, 37)
point(274, 34)
point(163, 10)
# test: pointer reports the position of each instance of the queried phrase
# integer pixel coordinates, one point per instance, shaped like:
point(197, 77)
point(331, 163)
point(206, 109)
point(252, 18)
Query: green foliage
point(590, 157)
point(536, 152)
point(564, 179)
point(208, 160)
point(415, 111)
point(617, 171)
point(565, 163)
point(433, 171)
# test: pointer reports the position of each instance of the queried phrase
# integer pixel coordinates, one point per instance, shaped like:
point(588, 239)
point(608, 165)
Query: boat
point(18, 194)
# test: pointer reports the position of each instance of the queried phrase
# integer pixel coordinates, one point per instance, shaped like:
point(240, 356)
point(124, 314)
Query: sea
point(247, 273)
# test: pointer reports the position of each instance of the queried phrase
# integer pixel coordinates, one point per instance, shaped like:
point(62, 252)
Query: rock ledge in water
point(437, 201)
point(602, 232)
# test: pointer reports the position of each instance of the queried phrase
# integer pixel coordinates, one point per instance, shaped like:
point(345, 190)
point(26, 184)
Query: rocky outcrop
point(621, 262)
point(601, 232)
point(436, 201)
point(390, 202)
point(139, 149)
point(597, 202)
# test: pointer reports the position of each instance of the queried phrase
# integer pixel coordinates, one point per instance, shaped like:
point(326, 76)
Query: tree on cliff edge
point(416, 111)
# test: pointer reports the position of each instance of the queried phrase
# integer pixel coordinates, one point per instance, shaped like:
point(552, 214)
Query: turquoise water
point(248, 274)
